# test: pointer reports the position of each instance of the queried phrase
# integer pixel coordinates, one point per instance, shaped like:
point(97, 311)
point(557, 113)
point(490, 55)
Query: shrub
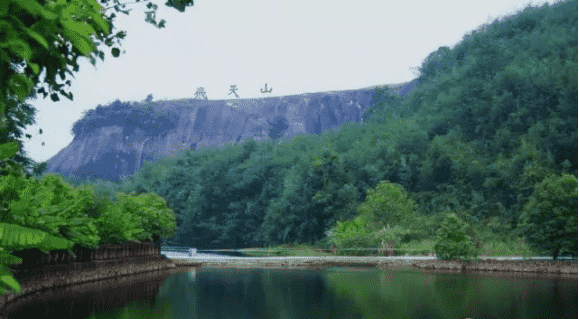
point(351, 234)
point(117, 225)
point(388, 237)
point(155, 217)
point(389, 204)
point(356, 234)
point(453, 240)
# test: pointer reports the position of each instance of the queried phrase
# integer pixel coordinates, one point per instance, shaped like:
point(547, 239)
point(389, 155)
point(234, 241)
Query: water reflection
point(336, 292)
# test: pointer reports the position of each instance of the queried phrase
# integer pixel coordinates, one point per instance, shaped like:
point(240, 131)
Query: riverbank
point(39, 279)
point(534, 267)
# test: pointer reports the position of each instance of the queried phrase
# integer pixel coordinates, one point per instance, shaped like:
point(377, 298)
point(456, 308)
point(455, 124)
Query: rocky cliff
point(114, 141)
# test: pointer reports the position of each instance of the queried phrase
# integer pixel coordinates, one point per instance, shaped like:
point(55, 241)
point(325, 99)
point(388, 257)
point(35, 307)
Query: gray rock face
point(113, 142)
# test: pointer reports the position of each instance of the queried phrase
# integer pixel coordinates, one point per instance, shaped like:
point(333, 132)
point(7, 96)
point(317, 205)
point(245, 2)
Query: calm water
point(339, 292)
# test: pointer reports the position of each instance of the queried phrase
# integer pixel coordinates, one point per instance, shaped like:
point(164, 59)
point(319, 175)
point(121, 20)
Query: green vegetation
point(14, 237)
point(36, 38)
point(50, 214)
point(489, 120)
point(550, 217)
point(48, 36)
point(490, 132)
point(453, 240)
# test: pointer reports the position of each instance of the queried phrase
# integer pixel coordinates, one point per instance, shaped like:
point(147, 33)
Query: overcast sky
point(296, 46)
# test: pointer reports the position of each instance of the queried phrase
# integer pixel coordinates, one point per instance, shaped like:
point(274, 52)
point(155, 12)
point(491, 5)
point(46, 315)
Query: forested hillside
point(491, 127)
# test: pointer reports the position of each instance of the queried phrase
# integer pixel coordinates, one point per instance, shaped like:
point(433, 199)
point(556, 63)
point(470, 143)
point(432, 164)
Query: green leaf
point(35, 68)
point(36, 36)
point(20, 85)
point(115, 52)
point(79, 34)
point(15, 237)
point(97, 15)
point(41, 90)
point(4, 8)
point(10, 282)
point(54, 97)
point(67, 95)
point(8, 150)
point(32, 6)
point(19, 47)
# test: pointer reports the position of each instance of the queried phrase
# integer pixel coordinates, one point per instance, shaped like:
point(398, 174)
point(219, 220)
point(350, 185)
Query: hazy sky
point(296, 46)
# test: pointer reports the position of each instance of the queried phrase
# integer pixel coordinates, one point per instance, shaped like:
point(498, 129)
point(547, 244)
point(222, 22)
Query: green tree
point(154, 217)
point(549, 219)
point(16, 120)
point(351, 234)
point(388, 203)
point(386, 105)
point(453, 239)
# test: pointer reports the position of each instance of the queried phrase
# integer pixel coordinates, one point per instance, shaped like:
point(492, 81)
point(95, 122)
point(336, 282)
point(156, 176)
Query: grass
point(490, 247)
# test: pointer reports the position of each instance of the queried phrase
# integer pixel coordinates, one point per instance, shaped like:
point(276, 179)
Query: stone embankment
point(40, 275)
point(521, 266)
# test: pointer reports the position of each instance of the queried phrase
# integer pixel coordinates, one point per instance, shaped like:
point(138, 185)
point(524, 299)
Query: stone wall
point(34, 257)
point(46, 271)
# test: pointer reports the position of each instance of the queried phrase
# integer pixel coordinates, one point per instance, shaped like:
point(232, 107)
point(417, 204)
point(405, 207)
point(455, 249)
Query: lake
point(334, 292)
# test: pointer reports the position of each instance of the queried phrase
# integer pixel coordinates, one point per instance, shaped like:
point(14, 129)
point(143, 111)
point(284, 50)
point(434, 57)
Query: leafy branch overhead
point(38, 34)
point(38, 37)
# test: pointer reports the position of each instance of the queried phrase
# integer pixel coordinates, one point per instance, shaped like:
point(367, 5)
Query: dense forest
point(490, 127)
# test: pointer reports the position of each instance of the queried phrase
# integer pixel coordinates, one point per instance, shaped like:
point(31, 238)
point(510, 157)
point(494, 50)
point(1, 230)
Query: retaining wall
point(39, 272)
point(34, 257)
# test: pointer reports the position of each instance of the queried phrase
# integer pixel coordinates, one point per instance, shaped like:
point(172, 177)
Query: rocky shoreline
point(566, 268)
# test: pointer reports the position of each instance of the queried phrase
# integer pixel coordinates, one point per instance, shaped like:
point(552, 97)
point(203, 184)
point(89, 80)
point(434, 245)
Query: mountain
point(112, 142)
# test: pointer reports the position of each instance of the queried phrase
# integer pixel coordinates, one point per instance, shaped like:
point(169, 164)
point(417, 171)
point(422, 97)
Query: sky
point(295, 46)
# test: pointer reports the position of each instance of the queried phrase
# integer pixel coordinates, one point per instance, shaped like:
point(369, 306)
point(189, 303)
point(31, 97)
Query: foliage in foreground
point(50, 214)
point(14, 237)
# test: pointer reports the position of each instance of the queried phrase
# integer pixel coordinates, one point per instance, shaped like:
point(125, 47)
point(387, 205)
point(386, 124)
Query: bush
point(549, 219)
point(155, 218)
point(356, 234)
point(388, 204)
point(116, 226)
point(453, 240)
point(388, 238)
point(351, 234)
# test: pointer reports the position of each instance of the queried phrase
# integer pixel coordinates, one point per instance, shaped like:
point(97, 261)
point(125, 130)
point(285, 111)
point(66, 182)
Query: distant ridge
point(396, 86)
